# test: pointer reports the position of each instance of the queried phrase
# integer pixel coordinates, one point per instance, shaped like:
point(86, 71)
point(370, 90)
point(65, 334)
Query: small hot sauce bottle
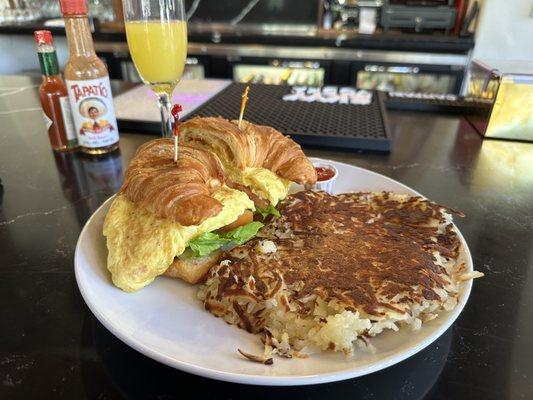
point(54, 96)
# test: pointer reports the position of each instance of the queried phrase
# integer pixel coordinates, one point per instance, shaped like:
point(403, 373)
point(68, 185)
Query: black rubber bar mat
point(334, 125)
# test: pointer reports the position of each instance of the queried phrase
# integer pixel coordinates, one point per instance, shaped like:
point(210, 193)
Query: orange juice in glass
point(157, 39)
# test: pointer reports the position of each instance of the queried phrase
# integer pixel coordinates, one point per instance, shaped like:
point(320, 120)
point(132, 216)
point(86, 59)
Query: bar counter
point(51, 346)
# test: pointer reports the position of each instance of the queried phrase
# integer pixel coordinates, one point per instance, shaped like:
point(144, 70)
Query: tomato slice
point(245, 218)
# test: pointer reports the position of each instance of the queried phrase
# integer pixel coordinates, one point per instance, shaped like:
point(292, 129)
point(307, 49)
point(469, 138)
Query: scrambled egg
point(142, 246)
point(263, 182)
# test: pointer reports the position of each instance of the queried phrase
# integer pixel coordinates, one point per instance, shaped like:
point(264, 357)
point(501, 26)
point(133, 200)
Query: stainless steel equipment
point(345, 14)
point(408, 76)
point(418, 14)
point(508, 87)
point(337, 66)
point(308, 73)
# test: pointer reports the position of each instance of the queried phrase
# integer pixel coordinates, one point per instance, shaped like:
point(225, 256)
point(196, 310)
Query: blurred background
point(422, 46)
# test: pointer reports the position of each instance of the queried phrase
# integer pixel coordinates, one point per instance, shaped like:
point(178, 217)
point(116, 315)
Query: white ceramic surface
point(166, 322)
point(327, 186)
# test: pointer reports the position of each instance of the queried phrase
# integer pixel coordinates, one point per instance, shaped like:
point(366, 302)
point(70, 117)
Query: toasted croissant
point(251, 146)
point(180, 191)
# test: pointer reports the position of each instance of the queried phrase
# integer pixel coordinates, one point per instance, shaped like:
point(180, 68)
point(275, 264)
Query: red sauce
point(324, 173)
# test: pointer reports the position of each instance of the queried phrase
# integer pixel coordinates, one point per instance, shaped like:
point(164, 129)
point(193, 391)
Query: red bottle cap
point(73, 7)
point(43, 37)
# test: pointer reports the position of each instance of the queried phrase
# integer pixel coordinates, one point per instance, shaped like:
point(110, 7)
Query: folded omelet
point(263, 182)
point(142, 245)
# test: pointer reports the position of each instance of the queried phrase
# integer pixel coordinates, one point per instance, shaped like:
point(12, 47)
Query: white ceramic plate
point(166, 322)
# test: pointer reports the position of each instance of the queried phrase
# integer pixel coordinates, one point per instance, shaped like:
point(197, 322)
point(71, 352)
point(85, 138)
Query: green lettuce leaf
point(243, 233)
point(208, 242)
point(270, 210)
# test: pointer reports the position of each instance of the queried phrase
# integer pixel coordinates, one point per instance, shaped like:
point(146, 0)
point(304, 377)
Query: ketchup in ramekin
point(326, 175)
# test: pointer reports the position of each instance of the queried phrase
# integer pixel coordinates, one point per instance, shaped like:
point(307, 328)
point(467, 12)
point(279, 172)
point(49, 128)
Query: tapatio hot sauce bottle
point(88, 85)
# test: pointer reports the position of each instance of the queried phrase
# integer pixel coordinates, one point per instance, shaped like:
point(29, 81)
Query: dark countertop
point(51, 346)
point(394, 40)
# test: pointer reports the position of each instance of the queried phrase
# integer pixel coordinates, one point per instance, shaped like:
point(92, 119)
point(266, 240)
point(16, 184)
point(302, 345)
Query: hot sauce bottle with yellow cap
point(88, 84)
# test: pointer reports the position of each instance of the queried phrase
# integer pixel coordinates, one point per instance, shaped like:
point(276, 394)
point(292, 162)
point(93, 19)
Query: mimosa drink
point(157, 39)
point(159, 50)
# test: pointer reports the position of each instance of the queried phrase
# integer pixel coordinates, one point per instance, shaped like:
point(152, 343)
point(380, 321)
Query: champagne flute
point(157, 38)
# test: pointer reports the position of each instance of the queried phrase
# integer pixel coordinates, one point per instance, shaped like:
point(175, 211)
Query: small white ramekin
point(326, 186)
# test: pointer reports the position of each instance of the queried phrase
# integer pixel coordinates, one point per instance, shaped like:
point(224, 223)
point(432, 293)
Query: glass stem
point(166, 120)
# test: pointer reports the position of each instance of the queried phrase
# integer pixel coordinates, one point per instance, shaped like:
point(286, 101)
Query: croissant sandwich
point(258, 159)
point(174, 219)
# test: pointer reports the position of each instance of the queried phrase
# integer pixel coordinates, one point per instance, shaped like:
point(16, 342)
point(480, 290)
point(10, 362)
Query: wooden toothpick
point(175, 148)
point(243, 104)
point(176, 109)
